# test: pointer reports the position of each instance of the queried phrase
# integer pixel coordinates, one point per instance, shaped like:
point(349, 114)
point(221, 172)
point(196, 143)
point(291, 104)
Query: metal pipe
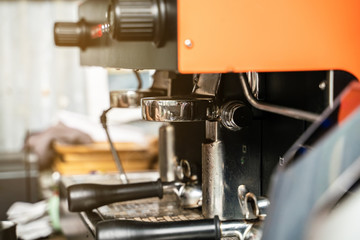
point(115, 155)
point(331, 88)
point(167, 157)
point(213, 183)
point(281, 110)
point(117, 159)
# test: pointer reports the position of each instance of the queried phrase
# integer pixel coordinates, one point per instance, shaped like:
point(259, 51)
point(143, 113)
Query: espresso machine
point(236, 84)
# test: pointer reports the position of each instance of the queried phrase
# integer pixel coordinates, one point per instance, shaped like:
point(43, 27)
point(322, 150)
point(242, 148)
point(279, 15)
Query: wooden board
point(97, 157)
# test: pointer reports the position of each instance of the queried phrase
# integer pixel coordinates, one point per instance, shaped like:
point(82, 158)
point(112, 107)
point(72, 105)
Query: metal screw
point(188, 43)
point(322, 85)
point(281, 161)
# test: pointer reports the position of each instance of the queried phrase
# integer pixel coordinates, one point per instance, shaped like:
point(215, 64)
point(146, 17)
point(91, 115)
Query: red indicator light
point(96, 31)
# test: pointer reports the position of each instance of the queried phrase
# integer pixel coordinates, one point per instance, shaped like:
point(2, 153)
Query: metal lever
point(83, 197)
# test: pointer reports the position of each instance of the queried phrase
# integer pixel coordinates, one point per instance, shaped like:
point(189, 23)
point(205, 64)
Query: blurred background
point(37, 79)
point(44, 92)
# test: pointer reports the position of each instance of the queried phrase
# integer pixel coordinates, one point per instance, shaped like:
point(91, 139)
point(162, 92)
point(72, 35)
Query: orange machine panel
point(268, 35)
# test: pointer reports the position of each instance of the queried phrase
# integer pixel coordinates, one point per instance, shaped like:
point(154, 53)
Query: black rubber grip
point(70, 33)
point(126, 229)
point(83, 197)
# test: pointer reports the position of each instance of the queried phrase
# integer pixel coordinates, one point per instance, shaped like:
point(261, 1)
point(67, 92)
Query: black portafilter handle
point(83, 197)
point(126, 229)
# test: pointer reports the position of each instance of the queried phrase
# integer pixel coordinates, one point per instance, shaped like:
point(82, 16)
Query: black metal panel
point(132, 55)
point(188, 140)
point(278, 134)
point(270, 135)
point(297, 90)
point(243, 158)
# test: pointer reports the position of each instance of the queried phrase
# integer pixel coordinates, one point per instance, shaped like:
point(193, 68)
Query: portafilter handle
point(179, 230)
point(83, 197)
point(126, 229)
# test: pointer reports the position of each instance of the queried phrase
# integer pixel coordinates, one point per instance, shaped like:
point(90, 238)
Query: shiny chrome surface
point(132, 98)
point(253, 79)
point(257, 210)
point(176, 109)
point(190, 195)
point(211, 131)
point(263, 205)
point(213, 202)
point(238, 229)
point(285, 111)
point(331, 88)
point(186, 168)
point(241, 230)
point(227, 115)
point(220, 180)
point(167, 158)
point(243, 195)
point(152, 209)
point(183, 169)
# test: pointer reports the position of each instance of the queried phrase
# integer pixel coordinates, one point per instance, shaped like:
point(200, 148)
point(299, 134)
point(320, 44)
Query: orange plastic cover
point(268, 35)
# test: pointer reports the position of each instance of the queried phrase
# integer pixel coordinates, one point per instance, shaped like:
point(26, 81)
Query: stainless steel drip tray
point(146, 210)
point(150, 210)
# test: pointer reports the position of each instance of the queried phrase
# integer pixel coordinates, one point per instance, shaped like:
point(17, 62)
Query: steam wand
point(114, 153)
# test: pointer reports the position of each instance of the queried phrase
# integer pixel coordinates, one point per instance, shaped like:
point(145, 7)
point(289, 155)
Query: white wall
point(36, 78)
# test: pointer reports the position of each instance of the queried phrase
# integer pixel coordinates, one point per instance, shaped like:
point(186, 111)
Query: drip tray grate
point(150, 210)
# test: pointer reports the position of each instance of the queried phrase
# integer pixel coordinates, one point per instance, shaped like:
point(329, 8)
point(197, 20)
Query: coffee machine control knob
point(137, 20)
point(78, 34)
point(71, 34)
